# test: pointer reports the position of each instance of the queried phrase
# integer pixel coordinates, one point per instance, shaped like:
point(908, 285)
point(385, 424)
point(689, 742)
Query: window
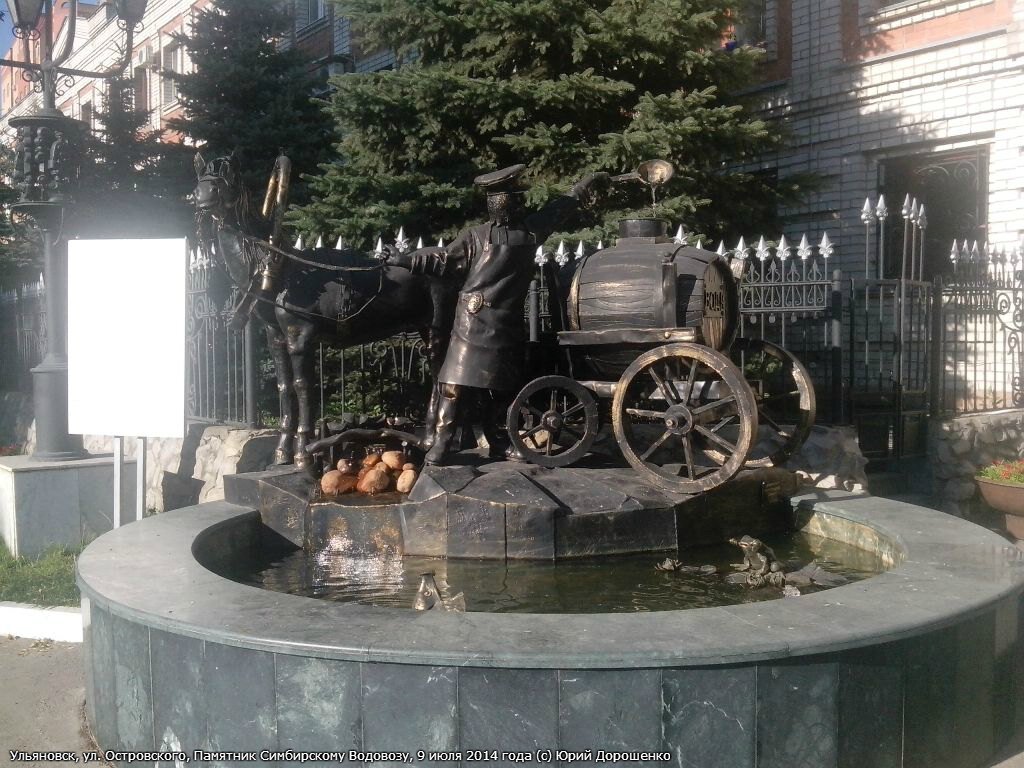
point(751, 27)
point(88, 114)
point(172, 62)
point(315, 10)
point(140, 88)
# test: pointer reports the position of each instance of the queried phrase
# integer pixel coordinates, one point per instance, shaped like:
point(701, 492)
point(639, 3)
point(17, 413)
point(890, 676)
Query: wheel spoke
point(645, 414)
point(691, 380)
point(772, 423)
point(716, 438)
point(554, 400)
point(663, 387)
point(688, 453)
point(575, 409)
point(534, 430)
point(660, 441)
point(714, 404)
point(535, 411)
point(723, 422)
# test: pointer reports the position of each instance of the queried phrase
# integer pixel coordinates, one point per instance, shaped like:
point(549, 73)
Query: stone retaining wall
point(959, 447)
point(830, 458)
point(179, 472)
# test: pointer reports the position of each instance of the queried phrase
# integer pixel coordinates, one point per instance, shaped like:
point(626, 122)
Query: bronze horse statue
point(339, 297)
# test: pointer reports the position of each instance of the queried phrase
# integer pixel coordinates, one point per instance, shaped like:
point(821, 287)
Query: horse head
point(220, 199)
point(219, 188)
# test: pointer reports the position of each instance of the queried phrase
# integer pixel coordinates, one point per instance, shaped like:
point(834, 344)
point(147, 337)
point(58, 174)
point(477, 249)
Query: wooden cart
point(652, 347)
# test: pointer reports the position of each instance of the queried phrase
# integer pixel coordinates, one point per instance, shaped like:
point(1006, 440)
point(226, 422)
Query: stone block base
point(58, 503)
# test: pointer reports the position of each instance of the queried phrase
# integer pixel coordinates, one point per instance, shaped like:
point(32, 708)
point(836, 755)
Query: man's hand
point(588, 188)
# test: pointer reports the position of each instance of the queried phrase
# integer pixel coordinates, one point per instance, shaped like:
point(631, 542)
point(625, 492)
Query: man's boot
point(444, 427)
point(430, 425)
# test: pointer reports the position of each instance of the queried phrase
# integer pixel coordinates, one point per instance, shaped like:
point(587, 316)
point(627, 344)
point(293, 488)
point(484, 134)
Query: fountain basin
point(921, 665)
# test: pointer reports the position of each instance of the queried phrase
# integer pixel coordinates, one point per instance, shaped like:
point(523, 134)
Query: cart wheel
point(684, 417)
point(785, 398)
point(553, 421)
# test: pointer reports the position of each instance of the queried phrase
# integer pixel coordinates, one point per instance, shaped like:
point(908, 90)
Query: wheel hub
point(552, 420)
point(678, 419)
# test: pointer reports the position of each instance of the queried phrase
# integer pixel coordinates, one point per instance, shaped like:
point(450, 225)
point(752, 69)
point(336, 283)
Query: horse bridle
point(217, 173)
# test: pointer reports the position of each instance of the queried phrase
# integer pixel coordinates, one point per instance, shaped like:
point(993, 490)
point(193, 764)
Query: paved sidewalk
point(42, 693)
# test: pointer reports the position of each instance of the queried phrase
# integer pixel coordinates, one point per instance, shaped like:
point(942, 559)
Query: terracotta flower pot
point(1007, 498)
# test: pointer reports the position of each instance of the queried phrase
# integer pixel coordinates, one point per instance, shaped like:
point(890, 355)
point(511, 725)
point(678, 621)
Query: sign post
point(126, 347)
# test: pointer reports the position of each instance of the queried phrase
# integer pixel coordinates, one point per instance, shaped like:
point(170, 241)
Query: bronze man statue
point(494, 264)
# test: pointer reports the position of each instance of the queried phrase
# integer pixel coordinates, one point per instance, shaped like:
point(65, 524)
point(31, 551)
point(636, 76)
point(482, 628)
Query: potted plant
point(1002, 487)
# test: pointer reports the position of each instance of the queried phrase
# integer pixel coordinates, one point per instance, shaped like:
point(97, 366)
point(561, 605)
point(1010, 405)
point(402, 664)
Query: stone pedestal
point(506, 510)
point(55, 503)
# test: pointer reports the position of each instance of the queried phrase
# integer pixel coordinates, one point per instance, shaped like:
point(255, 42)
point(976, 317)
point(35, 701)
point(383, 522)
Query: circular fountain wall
point(921, 665)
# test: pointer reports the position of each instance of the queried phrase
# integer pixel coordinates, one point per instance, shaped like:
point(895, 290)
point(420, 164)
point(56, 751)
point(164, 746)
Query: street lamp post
point(45, 176)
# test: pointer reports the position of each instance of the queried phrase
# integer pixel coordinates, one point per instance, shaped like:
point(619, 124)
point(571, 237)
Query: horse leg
point(300, 348)
point(435, 356)
point(285, 394)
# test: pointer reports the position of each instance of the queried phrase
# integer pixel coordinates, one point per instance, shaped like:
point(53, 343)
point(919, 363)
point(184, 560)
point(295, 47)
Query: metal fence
point(221, 361)
point(978, 359)
point(884, 354)
point(22, 334)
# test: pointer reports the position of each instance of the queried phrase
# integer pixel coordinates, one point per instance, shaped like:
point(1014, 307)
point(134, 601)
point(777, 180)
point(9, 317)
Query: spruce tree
point(566, 86)
point(246, 94)
point(133, 181)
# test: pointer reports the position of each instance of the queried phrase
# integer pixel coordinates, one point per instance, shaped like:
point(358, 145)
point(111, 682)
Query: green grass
point(48, 579)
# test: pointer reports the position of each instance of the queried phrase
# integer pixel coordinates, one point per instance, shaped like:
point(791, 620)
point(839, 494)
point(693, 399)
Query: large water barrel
point(641, 283)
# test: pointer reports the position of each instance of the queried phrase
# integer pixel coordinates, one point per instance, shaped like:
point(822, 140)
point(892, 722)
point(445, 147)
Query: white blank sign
point(126, 337)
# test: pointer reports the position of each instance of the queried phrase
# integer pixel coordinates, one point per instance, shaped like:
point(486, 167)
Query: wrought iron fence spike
point(579, 250)
point(299, 245)
point(340, 244)
point(419, 243)
point(561, 256)
point(881, 210)
point(320, 241)
point(378, 249)
point(954, 252)
point(721, 251)
point(922, 218)
point(741, 248)
point(975, 253)
point(440, 242)
point(825, 247)
point(804, 249)
point(762, 250)
point(783, 248)
point(907, 207)
point(700, 245)
point(539, 258)
point(867, 214)
point(680, 238)
point(600, 245)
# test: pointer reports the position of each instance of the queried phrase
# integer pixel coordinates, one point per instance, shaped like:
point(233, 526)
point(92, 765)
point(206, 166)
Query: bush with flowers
point(1011, 472)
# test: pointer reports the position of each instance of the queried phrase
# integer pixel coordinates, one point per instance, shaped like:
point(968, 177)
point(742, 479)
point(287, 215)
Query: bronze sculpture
point(493, 264)
point(342, 297)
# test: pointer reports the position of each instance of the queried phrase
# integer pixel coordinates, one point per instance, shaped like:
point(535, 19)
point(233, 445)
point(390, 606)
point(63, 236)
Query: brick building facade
point(96, 35)
point(327, 39)
point(924, 97)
